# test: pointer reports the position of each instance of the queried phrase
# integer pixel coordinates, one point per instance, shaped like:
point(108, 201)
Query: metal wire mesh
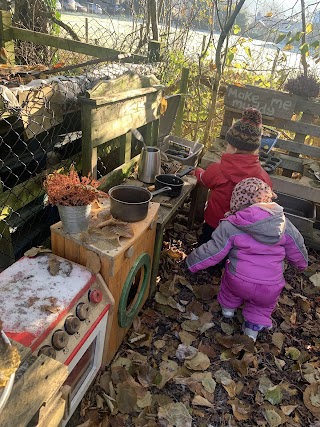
point(40, 127)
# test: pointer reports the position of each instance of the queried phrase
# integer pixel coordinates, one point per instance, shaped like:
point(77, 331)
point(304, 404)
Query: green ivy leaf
point(281, 37)
point(309, 28)
point(248, 51)
point(236, 29)
point(304, 49)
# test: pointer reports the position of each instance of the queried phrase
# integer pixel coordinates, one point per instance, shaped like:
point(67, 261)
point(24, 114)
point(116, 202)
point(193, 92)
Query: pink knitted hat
point(250, 191)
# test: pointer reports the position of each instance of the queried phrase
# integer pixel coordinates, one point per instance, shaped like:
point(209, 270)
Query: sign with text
point(270, 102)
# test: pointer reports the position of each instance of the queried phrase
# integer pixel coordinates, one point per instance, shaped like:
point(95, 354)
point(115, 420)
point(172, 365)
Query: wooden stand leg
point(6, 247)
point(156, 260)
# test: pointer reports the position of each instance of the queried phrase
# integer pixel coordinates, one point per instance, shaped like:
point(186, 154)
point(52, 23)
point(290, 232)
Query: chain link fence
point(40, 127)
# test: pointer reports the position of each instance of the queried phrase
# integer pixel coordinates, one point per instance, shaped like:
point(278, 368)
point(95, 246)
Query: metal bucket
point(74, 218)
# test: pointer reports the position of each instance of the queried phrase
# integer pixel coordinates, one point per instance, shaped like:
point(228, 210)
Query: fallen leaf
point(241, 410)
point(200, 362)
point(185, 352)
point(186, 338)
point(278, 339)
point(208, 350)
point(176, 414)
point(311, 398)
point(288, 409)
point(145, 401)
point(201, 401)
point(227, 328)
point(265, 384)
point(279, 363)
point(293, 353)
point(126, 398)
point(315, 279)
point(168, 369)
point(272, 417)
point(274, 395)
point(31, 253)
point(191, 325)
point(293, 317)
point(159, 344)
point(205, 327)
point(206, 379)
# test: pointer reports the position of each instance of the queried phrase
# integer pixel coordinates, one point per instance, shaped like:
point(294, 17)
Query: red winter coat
point(221, 178)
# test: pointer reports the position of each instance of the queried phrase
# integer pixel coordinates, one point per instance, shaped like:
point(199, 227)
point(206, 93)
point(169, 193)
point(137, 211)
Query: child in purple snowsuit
point(257, 238)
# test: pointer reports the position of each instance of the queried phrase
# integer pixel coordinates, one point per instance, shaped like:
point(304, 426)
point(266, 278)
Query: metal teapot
point(149, 164)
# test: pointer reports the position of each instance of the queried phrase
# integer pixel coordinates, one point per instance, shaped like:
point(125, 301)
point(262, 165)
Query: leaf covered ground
point(183, 365)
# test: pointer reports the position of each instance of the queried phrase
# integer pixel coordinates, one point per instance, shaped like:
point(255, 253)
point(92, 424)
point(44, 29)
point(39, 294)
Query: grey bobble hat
point(245, 134)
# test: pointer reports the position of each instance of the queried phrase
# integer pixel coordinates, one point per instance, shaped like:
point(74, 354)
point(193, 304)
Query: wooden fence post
point(154, 51)
point(86, 22)
point(125, 147)
point(8, 45)
point(183, 91)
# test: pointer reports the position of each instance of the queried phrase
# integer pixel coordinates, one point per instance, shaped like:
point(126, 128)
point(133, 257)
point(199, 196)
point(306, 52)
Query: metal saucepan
point(172, 180)
point(130, 203)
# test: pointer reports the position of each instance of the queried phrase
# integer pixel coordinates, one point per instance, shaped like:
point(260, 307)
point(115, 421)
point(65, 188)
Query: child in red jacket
point(240, 161)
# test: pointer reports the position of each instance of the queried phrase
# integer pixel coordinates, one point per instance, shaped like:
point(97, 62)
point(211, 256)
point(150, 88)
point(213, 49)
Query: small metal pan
point(172, 180)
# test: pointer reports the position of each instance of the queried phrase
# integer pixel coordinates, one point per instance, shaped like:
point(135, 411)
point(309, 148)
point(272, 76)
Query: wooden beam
point(298, 147)
point(125, 147)
point(118, 175)
point(5, 23)
point(38, 385)
point(183, 91)
point(71, 45)
point(303, 188)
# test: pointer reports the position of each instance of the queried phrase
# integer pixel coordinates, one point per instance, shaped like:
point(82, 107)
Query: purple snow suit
point(256, 240)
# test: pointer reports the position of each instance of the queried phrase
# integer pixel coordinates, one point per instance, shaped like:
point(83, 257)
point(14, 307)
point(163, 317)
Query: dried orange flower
point(68, 189)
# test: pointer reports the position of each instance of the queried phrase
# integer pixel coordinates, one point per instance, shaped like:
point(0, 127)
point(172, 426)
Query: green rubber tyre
point(125, 317)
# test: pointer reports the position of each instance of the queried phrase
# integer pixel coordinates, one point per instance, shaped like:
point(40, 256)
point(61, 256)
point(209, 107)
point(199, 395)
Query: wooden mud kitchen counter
point(124, 263)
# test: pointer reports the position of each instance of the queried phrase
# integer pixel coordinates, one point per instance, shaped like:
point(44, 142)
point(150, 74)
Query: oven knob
point(95, 296)
point(60, 339)
point(83, 310)
point(47, 350)
point(72, 324)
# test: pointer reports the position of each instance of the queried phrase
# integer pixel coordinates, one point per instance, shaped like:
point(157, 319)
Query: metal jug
point(149, 164)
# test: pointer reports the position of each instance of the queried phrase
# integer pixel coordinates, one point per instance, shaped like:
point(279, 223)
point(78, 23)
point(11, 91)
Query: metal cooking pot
point(174, 181)
point(130, 203)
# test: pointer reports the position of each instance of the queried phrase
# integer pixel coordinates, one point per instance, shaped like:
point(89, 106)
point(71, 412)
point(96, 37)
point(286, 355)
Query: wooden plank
point(125, 147)
point(89, 155)
point(57, 244)
point(118, 175)
point(303, 188)
point(305, 118)
point(308, 106)
point(106, 88)
point(155, 132)
point(5, 23)
point(70, 45)
point(112, 120)
point(291, 163)
point(297, 147)
point(183, 91)
point(115, 98)
point(6, 246)
point(270, 102)
point(39, 384)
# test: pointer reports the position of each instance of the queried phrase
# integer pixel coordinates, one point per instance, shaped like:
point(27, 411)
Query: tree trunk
point(303, 38)
point(153, 13)
point(216, 84)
